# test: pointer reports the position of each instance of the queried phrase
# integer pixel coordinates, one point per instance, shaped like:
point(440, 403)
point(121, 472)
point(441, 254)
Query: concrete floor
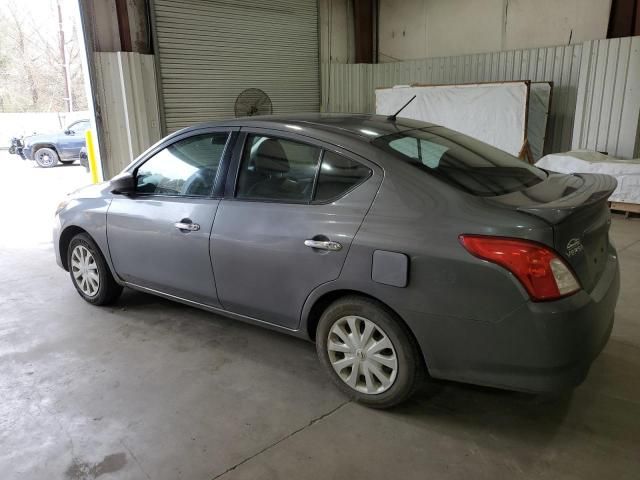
point(150, 389)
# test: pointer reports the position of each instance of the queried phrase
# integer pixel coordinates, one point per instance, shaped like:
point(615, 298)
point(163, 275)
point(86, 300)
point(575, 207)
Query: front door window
point(185, 168)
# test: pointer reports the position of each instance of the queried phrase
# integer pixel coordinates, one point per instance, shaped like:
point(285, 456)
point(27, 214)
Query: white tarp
point(627, 172)
point(539, 104)
point(494, 113)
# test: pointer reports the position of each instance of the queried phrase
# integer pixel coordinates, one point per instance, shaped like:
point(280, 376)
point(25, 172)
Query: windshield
point(461, 161)
point(79, 126)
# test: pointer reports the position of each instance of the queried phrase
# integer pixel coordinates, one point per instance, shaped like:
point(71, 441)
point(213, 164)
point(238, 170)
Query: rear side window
point(337, 176)
point(461, 161)
point(185, 168)
point(276, 169)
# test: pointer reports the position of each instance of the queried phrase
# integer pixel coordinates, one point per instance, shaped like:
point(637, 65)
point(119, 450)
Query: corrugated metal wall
point(127, 107)
point(608, 106)
point(211, 50)
point(350, 88)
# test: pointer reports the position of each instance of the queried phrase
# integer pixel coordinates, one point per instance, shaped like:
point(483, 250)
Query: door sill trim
point(212, 309)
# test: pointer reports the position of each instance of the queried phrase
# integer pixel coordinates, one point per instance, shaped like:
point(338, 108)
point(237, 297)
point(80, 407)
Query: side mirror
point(123, 184)
point(68, 132)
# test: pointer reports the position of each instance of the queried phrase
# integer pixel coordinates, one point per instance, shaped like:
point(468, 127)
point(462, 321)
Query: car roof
point(366, 127)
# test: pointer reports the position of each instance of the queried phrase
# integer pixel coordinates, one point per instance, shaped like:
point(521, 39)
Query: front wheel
point(46, 157)
point(90, 273)
point(368, 352)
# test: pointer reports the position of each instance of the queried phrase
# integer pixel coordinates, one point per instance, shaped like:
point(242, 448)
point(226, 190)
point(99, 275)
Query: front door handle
point(323, 245)
point(191, 227)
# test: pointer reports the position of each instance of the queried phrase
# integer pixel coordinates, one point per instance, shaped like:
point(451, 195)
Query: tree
point(40, 57)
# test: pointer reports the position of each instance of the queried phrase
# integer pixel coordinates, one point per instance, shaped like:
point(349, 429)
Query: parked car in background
point(398, 246)
point(50, 148)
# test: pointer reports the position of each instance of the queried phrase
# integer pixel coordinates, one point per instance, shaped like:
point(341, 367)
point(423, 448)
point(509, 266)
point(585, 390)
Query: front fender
point(90, 215)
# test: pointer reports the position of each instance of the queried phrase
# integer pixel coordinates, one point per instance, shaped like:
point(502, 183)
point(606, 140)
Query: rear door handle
point(192, 227)
point(323, 245)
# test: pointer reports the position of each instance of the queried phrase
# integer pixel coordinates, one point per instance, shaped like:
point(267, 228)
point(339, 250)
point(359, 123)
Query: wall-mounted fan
point(253, 101)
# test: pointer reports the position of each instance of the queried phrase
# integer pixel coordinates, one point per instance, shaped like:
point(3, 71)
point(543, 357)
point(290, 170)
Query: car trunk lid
point(575, 206)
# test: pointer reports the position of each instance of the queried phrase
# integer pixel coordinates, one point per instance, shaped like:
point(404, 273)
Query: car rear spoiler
point(594, 189)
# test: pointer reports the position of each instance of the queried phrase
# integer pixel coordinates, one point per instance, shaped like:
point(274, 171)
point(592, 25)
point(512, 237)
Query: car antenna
point(395, 115)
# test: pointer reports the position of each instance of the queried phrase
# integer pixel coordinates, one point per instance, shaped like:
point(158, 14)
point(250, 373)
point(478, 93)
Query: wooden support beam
point(123, 25)
point(624, 19)
point(363, 18)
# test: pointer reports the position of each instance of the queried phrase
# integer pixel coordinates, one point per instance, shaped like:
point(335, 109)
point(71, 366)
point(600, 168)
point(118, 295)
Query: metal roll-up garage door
point(209, 51)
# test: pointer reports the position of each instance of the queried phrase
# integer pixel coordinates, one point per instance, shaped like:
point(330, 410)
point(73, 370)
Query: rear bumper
point(539, 347)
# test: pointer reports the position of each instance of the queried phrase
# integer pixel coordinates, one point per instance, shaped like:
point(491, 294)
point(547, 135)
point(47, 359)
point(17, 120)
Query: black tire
point(46, 157)
point(410, 371)
point(108, 290)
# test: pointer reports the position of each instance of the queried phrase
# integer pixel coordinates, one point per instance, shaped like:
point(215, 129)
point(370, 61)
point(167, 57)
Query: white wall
point(336, 31)
point(554, 22)
point(412, 29)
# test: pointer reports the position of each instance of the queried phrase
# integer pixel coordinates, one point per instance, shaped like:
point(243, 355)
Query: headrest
point(270, 157)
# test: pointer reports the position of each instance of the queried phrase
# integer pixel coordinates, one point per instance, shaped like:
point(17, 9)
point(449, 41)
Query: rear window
point(337, 176)
point(461, 161)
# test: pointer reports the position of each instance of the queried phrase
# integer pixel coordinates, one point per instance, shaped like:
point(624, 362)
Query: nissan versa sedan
point(403, 249)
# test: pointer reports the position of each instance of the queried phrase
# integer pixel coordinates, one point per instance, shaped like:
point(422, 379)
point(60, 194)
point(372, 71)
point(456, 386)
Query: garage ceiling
point(211, 50)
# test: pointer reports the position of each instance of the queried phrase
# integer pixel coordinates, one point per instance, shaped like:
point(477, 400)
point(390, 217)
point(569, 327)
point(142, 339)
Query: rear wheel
point(368, 352)
point(46, 157)
point(89, 271)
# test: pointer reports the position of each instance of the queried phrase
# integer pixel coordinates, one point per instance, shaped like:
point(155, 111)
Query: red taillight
point(540, 270)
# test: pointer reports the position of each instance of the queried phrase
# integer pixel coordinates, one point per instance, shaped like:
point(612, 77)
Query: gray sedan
point(405, 250)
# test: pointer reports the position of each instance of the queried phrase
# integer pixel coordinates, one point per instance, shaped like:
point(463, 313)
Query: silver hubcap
point(85, 270)
point(362, 354)
point(45, 158)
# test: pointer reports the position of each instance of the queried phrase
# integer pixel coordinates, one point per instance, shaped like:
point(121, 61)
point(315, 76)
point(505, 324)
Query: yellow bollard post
point(91, 156)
